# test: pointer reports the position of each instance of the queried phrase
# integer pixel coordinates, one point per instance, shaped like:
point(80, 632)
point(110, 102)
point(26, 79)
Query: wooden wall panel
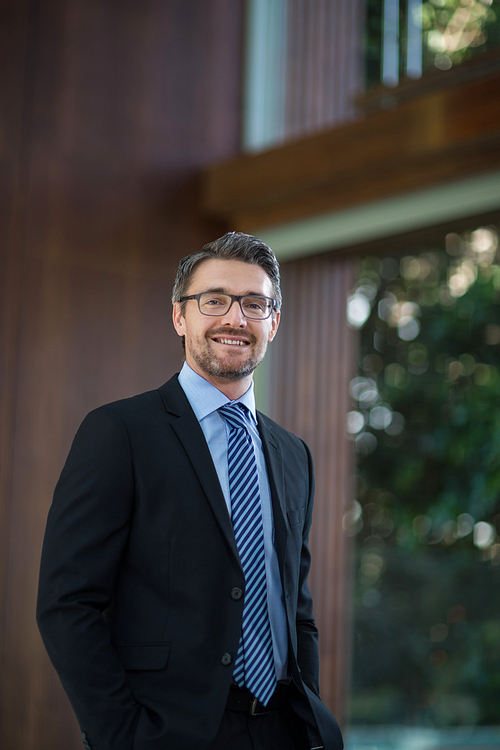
point(312, 362)
point(14, 90)
point(324, 65)
point(108, 112)
point(16, 35)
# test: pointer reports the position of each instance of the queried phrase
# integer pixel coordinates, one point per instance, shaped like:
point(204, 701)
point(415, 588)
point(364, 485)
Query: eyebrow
point(223, 290)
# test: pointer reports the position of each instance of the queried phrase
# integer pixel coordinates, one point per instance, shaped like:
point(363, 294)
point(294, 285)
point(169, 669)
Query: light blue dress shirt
point(205, 399)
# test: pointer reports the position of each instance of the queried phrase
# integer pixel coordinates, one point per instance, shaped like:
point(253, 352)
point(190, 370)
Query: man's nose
point(234, 316)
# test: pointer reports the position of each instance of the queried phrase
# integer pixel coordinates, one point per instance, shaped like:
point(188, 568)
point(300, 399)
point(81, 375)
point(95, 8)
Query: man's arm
point(307, 633)
point(87, 530)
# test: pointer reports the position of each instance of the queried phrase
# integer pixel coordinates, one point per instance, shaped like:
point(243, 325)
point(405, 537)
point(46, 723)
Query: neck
point(233, 389)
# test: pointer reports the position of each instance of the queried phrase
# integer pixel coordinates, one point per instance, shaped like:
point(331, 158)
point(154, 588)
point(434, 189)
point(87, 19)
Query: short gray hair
point(232, 246)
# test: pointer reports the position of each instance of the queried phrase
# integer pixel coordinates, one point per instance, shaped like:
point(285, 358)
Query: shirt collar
point(205, 398)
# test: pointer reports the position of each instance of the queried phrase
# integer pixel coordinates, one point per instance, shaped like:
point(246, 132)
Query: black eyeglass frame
point(234, 298)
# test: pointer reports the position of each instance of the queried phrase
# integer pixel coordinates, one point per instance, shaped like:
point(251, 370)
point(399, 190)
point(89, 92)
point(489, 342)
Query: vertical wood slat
point(17, 33)
point(312, 362)
point(323, 64)
point(315, 57)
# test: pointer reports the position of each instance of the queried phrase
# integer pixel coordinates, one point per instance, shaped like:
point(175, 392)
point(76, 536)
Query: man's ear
point(275, 321)
point(178, 319)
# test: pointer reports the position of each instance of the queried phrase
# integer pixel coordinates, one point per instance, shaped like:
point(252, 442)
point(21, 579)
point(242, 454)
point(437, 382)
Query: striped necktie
point(254, 666)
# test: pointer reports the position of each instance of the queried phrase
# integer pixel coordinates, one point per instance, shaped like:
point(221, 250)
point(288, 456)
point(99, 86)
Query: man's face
point(229, 347)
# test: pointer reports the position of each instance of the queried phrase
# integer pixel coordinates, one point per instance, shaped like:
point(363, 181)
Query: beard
point(212, 364)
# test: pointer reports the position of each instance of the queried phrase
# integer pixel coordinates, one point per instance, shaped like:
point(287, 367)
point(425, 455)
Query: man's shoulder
point(285, 437)
point(143, 404)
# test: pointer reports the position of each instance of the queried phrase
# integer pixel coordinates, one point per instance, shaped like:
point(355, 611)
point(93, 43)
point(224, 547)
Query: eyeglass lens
point(257, 308)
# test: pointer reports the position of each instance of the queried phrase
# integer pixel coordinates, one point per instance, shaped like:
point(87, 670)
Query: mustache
point(226, 330)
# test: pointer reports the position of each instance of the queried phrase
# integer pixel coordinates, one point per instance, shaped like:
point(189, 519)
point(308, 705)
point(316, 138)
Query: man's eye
point(213, 302)
point(255, 304)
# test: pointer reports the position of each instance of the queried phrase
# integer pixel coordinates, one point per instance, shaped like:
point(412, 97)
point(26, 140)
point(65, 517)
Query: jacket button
point(226, 659)
point(236, 594)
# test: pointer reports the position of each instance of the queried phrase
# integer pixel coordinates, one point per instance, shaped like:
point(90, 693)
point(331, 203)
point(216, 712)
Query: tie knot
point(235, 415)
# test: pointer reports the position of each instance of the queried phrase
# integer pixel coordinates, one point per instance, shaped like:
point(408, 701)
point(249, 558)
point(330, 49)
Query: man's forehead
point(215, 273)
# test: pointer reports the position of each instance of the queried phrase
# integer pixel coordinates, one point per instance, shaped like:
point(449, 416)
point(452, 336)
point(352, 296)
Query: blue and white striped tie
point(254, 666)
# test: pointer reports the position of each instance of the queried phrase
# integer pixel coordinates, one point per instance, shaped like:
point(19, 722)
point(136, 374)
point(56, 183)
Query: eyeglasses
point(215, 304)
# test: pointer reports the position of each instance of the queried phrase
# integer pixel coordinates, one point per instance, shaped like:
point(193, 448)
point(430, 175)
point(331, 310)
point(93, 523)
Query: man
point(173, 595)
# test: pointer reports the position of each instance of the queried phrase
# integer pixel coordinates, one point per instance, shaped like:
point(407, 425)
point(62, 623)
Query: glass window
point(405, 38)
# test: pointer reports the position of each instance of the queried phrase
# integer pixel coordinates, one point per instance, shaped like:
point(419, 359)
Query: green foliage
point(452, 31)
point(428, 594)
point(426, 425)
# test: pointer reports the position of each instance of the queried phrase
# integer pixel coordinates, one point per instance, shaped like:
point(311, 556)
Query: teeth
point(232, 342)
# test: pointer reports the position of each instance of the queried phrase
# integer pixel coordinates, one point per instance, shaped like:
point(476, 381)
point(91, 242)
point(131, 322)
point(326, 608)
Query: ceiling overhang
point(424, 144)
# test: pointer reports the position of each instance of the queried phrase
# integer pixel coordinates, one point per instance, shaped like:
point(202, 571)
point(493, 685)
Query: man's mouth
point(230, 342)
point(231, 338)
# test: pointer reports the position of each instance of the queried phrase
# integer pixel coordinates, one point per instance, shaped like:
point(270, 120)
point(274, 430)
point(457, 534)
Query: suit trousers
point(280, 729)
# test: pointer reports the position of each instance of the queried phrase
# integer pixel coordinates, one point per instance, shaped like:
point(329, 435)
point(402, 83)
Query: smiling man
point(173, 594)
point(229, 339)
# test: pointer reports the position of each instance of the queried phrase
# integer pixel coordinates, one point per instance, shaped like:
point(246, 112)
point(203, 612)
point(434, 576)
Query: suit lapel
point(190, 435)
point(274, 460)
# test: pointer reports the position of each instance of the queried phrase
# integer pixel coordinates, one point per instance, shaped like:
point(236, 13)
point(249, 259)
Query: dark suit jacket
point(138, 568)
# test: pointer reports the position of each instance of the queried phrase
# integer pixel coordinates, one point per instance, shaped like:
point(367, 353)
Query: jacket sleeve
point(307, 633)
point(86, 533)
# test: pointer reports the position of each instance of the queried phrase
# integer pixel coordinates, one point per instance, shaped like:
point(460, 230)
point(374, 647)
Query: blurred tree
point(426, 426)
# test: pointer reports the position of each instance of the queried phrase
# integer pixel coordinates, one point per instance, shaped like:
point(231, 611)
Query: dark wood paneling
point(323, 71)
point(14, 95)
point(111, 112)
point(312, 362)
point(438, 137)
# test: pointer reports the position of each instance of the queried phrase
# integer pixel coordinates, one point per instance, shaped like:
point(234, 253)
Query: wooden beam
point(438, 137)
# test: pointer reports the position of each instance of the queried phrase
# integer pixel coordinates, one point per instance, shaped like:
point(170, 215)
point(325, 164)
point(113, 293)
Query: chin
point(234, 371)
point(225, 372)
